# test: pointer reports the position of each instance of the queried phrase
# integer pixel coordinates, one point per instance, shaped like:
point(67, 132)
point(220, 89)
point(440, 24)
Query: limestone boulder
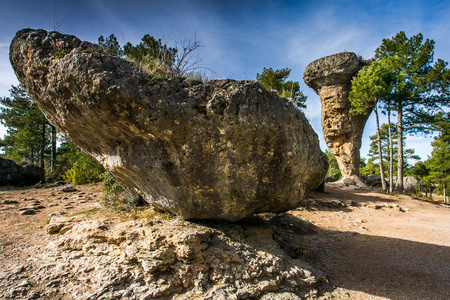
point(330, 77)
point(219, 150)
point(15, 174)
point(159, 258)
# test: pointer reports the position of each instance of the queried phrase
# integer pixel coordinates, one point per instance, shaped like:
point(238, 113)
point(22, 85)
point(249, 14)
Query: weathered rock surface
point(409, 184)
point(373, 180)
point(330, 77)
point(19, 175)
point(221, 150)
point(172, 259)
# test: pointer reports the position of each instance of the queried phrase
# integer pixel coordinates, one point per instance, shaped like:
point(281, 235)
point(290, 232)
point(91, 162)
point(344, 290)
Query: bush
point(118, 195)
point(85, 170)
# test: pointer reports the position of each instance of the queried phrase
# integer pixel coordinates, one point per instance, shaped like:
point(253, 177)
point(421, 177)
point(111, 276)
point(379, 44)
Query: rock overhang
point(219, 150)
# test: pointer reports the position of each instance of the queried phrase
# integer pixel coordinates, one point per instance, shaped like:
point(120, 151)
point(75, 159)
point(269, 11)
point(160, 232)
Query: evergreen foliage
point(80, 168)
point(152, 55)
point(404, 78)
point(372, 166)
point(111, 45)
point(28, 139)
point(275, 80)
point(333, 171)
point(25, 125)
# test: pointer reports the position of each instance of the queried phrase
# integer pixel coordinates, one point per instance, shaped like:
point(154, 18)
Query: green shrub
point(85, 170)
point(119, 196)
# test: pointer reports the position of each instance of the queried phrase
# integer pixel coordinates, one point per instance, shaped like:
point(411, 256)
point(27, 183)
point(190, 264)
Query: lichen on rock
point(219, 150)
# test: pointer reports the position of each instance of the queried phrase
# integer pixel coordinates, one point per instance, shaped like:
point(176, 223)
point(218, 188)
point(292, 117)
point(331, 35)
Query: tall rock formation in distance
point(330, 77)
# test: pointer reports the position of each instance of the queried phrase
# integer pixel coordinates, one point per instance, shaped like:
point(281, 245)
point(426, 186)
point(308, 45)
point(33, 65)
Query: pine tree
point(26, 137)
point(373, 161)
point(369, 88)
point(275, 80)
point(419, 88)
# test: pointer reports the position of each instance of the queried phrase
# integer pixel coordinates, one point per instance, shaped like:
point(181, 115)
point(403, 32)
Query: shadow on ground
point(381, 266)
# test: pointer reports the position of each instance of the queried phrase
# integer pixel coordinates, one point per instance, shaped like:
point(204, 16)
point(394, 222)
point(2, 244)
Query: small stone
point(54, 228)
point(17, 292)
point(27, 212)
point(18, 270)
point(58, 213)
point(69, 189)
point(38, 206)
point(9, 202)
point(24, 283)
point(348, 182)
point(34, 295)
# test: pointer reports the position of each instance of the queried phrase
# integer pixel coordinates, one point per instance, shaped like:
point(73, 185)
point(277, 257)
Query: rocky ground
point(59, 243)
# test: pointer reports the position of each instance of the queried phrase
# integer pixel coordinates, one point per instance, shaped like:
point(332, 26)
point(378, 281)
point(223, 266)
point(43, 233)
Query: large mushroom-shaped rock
point(330, 77)
point(220, 150)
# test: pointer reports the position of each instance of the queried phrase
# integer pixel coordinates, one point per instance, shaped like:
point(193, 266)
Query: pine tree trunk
point(380, 156)
point(44, 124)
point(400, 150)
point(391, 155)
point(445, 198)
point(53, 159)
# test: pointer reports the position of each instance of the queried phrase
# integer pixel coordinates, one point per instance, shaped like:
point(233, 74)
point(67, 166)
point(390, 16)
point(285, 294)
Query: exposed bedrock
point(330, 77)
point(219, 150)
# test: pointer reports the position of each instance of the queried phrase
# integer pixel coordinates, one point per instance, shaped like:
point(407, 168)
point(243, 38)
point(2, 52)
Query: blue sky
point(239, 38)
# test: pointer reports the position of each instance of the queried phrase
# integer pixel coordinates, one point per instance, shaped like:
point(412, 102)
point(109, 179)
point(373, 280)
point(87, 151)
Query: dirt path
point(382, 246)
point(372, 246)
point(23, 234)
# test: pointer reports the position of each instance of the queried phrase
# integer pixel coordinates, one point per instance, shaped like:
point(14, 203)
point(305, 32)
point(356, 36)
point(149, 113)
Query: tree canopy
point(27, 139)
point(420, 88)
point(275, 80)
point(24, 122)
point(404, 78)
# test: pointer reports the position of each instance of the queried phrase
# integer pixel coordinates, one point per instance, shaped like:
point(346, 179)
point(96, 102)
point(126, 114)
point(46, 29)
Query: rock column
point(330, 77)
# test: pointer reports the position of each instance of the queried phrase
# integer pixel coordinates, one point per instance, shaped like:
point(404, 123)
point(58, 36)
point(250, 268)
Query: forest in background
point(402, 81)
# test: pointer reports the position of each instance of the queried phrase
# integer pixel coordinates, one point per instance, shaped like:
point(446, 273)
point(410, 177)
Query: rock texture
point(221, 150)
point(19, 175)
point(330, 77)
point(154, 258)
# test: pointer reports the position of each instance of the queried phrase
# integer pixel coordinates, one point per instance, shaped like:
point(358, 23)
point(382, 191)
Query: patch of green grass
point(61, 53)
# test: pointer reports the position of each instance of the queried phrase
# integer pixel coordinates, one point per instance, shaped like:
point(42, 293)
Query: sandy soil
point(21, 236)
point(383, 246)
point(371, 245)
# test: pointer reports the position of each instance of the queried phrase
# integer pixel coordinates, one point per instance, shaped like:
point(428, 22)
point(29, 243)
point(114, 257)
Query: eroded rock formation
point(330, 77)
point(221, 150)
point(152, 258)
point(19, 175)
